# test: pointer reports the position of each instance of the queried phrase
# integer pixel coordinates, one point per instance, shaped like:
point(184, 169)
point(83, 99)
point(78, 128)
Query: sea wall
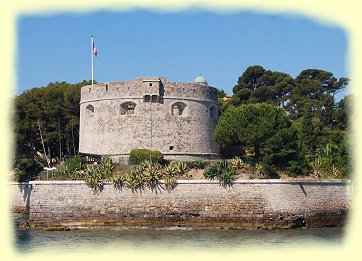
point(194, 203)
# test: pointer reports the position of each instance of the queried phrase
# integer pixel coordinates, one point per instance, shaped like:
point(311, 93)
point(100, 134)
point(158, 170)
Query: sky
point(179, 46)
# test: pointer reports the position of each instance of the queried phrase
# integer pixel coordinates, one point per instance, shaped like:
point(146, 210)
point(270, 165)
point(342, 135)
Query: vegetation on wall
point(140, 155)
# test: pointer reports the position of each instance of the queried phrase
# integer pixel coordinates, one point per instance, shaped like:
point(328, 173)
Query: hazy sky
point(178, 46)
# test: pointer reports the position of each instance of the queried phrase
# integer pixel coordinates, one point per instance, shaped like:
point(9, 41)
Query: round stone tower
point(175, 118)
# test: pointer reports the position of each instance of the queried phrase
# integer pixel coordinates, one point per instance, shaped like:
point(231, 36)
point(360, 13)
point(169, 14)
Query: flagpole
point(92, 58)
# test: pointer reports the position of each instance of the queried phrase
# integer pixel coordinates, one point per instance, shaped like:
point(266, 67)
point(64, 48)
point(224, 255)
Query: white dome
point(201, 80)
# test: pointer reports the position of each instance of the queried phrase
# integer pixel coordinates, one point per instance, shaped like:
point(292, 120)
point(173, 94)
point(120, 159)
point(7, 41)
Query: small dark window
point(171, 147)
point(90, 108)
point(127, 108)
point(178, 108)
point(150, 83)
point(106, 87)
point(147, 98)
point(154, 98)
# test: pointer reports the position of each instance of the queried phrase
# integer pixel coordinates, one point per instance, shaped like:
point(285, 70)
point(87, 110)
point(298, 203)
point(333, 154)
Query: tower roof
point(201, 80)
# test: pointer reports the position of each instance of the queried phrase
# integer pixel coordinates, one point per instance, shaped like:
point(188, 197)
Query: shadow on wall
point(25, 189)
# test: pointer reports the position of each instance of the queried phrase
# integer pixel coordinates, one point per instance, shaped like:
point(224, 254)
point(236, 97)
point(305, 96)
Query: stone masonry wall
point(196, 203)
point(152, 125)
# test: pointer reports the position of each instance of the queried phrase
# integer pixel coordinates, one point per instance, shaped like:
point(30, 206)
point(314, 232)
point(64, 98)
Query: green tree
point(341, 115)
point(309, 132)
point(257, 85)
point(50, 113)
point(317, 88)
point(264, 127)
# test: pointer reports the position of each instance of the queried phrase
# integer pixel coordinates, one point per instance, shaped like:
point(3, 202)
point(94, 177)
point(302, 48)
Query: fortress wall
point(138, 88)
point(196, 203)
point(152, 126)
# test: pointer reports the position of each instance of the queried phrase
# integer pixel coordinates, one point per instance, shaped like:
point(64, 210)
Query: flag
point(95, 52)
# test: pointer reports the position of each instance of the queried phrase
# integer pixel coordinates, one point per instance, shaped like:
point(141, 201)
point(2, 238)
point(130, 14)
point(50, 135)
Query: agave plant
point(226, 176)
point(134, 180)
point(335, 171)
point(169, 171)
point(180, 168)
point(170, 183)
point(237, 163)
point(106, 165)
point(146, 164)
point(138, 170)
point(117, 181)
point(94, 177)
point(211, 172)
point(259, 171)
point(221, 171)
point(152, 174)
point(199, 164)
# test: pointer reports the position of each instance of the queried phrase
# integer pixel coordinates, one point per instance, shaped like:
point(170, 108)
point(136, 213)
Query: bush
point(26, 170)
point(199, 164)
point(180, 168)
point(94, 177)
point(71, 169)
point(297, 168)
point(237, 163)
point(106, 166)
point(139, 155)
point(75, 163)
point(263, 171)
point(221, 171)
point(169, 171)
point(117, 181)
point(170, 183)
point(211, 172)
point(259, 171)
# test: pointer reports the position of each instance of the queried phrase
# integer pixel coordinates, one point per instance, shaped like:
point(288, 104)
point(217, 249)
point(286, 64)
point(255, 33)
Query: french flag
point(95, 52)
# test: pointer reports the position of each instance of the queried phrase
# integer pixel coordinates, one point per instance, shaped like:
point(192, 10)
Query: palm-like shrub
point(134, 179)
point(106, 166)
point(169, 171)
point(237, 163)
point(170, 183)
point(94, 177)
point(226, 176)
point(117, 181)
point(199, 164)
point(221, 171)
point(335, 171)
point(152, 174)
point(259, 171)
point(180, 168)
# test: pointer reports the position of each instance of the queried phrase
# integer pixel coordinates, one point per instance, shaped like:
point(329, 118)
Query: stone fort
point(175, 118)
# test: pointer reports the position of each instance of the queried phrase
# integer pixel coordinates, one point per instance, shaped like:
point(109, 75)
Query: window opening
point(154, 98)
point(171, 147)
point(178, 108)
point(147, 98)
point(128, 108)
point(90, 108)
